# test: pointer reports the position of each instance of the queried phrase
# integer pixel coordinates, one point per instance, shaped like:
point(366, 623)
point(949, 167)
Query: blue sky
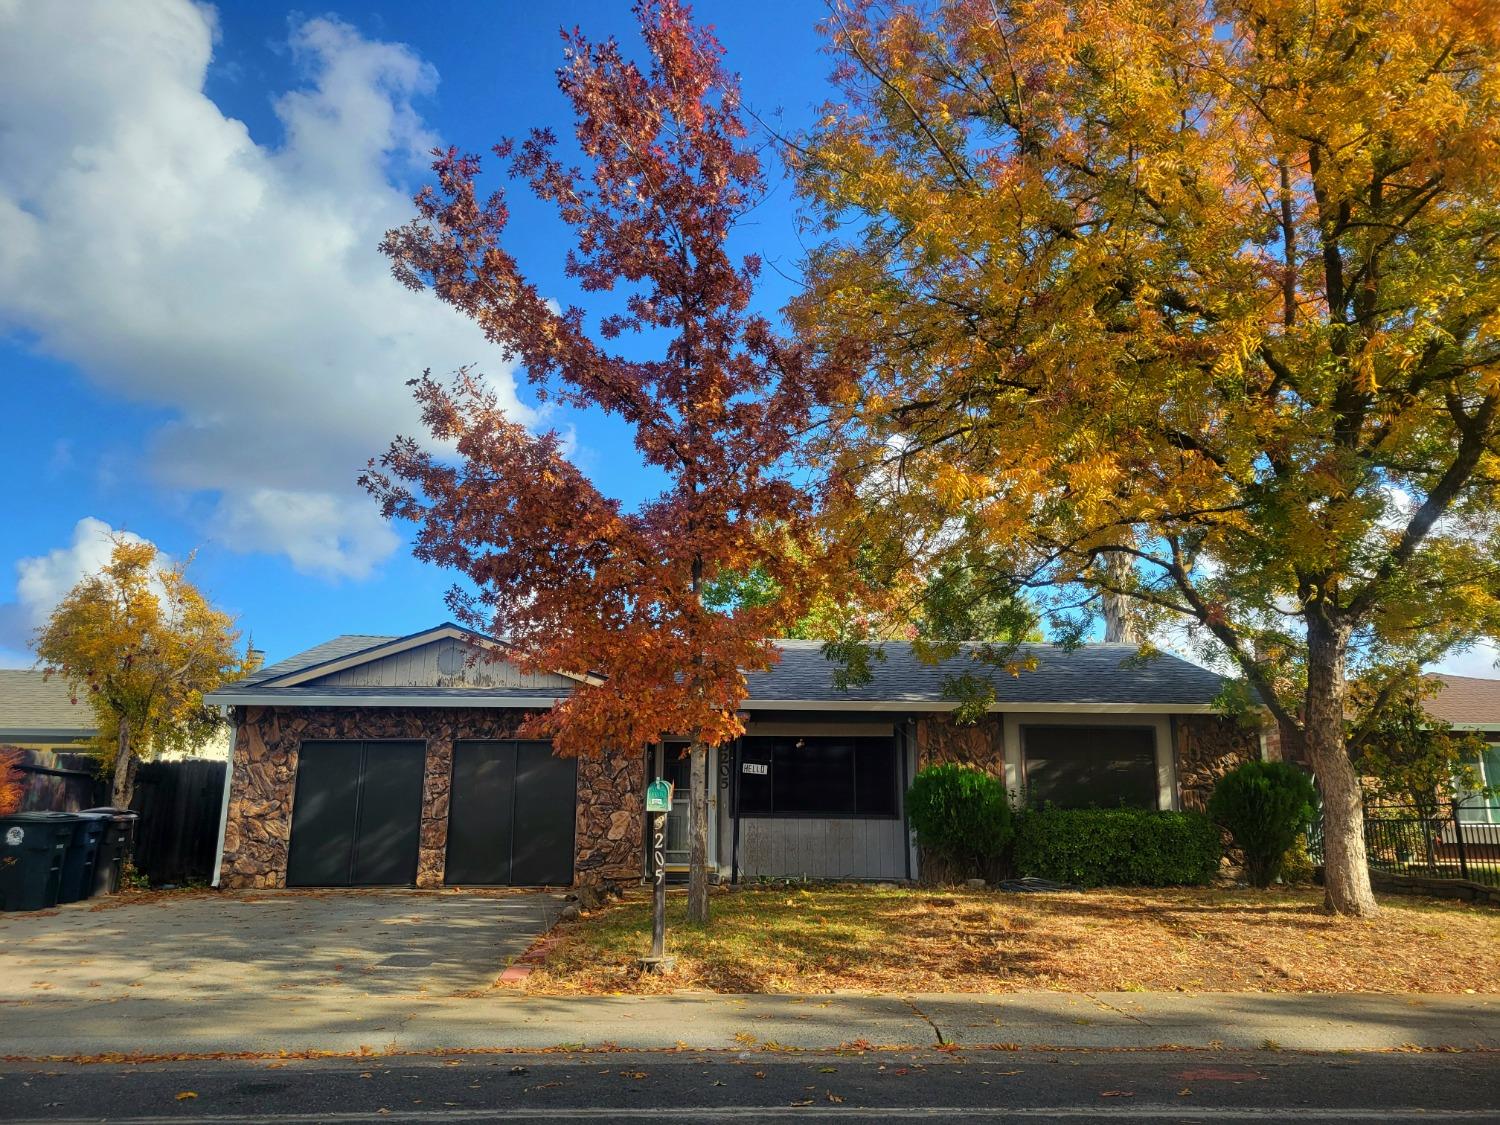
point(199, 343)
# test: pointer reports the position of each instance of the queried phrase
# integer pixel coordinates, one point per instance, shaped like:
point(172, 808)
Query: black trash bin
point(83, 853)
point(33, 847)
point(114, 847)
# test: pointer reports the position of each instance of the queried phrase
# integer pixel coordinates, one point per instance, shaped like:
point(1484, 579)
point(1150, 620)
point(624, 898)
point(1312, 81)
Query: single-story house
point(39, 713)
point(374, 760)
point(1472, 703)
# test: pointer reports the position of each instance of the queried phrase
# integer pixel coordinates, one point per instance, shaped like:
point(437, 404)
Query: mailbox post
point(658, 804)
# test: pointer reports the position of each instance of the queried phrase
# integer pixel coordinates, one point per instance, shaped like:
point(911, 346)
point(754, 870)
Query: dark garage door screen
point(511, 815)
point(357, 815)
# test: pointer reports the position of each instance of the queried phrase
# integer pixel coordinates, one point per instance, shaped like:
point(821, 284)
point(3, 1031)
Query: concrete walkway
point(503, 1020)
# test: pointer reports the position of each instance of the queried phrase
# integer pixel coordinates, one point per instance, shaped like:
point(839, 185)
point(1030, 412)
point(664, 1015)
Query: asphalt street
point(1066, 1086)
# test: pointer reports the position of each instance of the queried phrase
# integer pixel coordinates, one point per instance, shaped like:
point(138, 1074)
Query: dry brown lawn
point(874, 939)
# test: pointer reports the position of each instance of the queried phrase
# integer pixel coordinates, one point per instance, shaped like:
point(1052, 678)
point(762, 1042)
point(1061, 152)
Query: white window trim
point(1161, 727)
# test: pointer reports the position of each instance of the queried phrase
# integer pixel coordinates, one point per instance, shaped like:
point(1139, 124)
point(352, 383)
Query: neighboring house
point(39, 714)
point(1471, 703)
point(374, 760)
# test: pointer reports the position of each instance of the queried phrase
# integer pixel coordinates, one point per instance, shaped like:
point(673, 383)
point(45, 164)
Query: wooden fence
point(178, 803)
point(60, 781)
point(177, 833)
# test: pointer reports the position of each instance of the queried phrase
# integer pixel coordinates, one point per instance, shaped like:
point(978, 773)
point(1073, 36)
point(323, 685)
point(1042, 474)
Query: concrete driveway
point(280, 963)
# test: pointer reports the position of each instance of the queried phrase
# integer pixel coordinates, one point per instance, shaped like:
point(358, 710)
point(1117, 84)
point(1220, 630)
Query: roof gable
point(447, 656)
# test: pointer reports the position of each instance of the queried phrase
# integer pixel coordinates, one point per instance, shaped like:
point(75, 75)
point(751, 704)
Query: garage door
point(357, 814)
point(511, 813)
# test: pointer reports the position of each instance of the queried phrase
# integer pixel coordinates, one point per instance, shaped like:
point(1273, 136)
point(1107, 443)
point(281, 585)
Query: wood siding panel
point(443, 663)
point(835, 848)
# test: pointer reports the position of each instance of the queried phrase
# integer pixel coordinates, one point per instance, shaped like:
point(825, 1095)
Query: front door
point(672, 763)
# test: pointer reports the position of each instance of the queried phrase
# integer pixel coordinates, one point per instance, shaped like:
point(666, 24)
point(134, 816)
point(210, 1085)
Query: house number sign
point(658, 805)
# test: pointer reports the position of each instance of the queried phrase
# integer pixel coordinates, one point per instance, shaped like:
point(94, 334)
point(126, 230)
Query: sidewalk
point(1133, 1020)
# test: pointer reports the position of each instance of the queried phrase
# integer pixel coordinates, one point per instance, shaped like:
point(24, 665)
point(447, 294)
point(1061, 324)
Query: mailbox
point(659, 796)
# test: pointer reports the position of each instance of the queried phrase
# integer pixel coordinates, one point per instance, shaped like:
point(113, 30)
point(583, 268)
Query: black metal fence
point(1457, 841)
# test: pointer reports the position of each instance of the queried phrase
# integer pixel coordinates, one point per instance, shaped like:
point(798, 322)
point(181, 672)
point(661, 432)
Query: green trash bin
point(83, 853)
point(33, 848)
point(114, 847)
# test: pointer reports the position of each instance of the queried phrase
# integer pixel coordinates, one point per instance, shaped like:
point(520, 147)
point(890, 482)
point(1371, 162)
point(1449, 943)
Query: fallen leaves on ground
point(907, 939)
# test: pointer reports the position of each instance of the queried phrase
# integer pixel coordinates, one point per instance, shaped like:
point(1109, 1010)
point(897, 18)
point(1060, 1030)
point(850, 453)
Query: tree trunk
point(1120, 625)
point(698, 832)
point(123, 786)
point(1346, 870)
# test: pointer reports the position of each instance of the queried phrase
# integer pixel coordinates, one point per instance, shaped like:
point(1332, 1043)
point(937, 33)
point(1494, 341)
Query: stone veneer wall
point(1208, 747)
point(608, 831)
point(942, 741)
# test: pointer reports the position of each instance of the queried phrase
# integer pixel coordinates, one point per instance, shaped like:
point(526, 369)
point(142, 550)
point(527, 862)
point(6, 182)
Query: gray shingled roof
point(1092, 674)
point(346, 645)
point(32, 706)
point(1100, 673)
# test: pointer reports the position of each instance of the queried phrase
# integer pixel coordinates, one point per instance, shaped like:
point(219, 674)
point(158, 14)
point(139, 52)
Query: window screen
point(1090, 767)
point(817, 776)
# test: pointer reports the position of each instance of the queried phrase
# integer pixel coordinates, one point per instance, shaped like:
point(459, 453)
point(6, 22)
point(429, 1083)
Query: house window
point(818, 776)
point(1483, 807)
point(1078, 767)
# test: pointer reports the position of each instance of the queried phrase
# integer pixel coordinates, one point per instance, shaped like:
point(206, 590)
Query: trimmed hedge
point(961, 815)
point(1117, 847)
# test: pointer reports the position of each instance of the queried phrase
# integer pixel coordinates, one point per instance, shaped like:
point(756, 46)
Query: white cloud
point(1480, 660)
point(147, 238)
point(42, 580)
point(320, 532)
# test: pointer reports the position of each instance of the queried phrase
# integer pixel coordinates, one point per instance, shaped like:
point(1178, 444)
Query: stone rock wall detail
point(942, 741)
point(1208, 747)
point(611, 818)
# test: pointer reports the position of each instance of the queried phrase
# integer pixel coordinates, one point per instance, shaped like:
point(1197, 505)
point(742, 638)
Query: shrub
point(1264, 806)
point(961, 815)
point(1298, 869)
point(1120, 847)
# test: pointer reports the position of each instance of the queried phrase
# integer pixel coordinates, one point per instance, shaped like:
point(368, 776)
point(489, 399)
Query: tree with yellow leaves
point(142, 646)
point(1209, 287)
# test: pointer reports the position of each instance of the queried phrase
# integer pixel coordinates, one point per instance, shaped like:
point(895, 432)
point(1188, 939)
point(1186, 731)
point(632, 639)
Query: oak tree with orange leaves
point(716, 400)
point(1210, 288)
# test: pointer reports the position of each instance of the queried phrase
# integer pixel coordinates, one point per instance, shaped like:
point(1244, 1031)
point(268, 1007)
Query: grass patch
point(911, 939)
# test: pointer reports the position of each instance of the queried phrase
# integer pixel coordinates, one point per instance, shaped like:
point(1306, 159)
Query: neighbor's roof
point(1465, 700)
point(32, 707)
point(1099, 676)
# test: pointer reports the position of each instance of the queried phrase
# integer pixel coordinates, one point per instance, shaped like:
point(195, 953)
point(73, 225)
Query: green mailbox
point(659, 796)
